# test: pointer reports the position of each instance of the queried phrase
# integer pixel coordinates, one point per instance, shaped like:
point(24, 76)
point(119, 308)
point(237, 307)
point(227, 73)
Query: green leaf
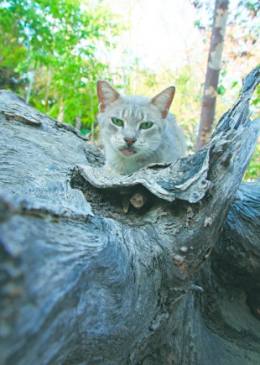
point(221, 90)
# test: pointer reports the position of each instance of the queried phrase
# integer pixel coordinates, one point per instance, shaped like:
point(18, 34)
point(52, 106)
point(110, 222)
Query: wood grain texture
point(85, 281)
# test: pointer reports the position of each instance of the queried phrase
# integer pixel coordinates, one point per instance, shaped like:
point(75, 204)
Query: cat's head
point(132, 125)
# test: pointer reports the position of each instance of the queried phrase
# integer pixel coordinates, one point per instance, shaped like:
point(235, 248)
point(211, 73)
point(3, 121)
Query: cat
point(137, 131)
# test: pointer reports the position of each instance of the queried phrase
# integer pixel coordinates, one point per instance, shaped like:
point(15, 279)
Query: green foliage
point(253, 170)
point(221, 90)
point(255, 102)
point(53, 44)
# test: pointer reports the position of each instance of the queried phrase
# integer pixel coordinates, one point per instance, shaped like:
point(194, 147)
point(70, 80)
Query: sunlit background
point(53, 52)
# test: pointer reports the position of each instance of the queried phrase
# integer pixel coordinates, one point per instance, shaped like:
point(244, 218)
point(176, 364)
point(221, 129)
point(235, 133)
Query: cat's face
point(132, 126)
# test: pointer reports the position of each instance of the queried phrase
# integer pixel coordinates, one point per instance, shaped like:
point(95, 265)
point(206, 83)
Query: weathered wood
point(86, 281)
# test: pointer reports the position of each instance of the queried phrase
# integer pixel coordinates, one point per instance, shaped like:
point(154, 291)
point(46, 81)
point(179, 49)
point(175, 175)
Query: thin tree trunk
point(212, 74)
point(78, 123)
point(30, 86)
point(47, 91)
point(60, 117)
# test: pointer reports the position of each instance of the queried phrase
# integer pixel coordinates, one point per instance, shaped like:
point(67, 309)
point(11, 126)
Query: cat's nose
point(130, 141)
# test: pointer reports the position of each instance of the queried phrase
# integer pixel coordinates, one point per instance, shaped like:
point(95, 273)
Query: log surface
point(86, 281)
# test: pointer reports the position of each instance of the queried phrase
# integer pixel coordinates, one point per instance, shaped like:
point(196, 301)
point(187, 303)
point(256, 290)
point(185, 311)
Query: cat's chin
point(127, 152)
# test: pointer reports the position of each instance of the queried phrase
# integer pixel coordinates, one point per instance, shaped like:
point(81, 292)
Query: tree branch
point(82, 282)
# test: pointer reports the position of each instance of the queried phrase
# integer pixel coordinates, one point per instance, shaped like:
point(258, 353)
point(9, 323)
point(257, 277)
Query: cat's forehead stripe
point(125, 113)
point(132, 112)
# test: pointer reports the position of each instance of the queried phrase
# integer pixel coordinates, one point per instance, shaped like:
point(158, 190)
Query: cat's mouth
point(128, 151)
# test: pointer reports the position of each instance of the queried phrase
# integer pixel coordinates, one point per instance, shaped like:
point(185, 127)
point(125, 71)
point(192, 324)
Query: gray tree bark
point(160, 267)
point(212, 74)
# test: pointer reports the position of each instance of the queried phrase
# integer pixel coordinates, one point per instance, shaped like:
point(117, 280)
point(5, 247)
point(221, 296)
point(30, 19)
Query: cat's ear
point(106, 94)
point(163, 100)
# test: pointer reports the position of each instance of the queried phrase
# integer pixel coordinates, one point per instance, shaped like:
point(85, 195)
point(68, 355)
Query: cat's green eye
point(146, 125)
point(117, 122)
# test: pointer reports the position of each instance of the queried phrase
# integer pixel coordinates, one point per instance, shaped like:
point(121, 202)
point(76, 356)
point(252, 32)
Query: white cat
point(137, 131)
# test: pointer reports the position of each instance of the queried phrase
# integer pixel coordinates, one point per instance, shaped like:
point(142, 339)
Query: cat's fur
point(129, 148)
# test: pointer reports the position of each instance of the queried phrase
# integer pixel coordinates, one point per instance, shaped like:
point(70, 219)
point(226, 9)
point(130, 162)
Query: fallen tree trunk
point(160, 267)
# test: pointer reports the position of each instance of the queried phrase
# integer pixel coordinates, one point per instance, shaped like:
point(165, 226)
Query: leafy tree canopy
point(53, 45)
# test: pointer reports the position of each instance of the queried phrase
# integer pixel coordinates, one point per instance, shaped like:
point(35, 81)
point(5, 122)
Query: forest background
point(53, 52)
